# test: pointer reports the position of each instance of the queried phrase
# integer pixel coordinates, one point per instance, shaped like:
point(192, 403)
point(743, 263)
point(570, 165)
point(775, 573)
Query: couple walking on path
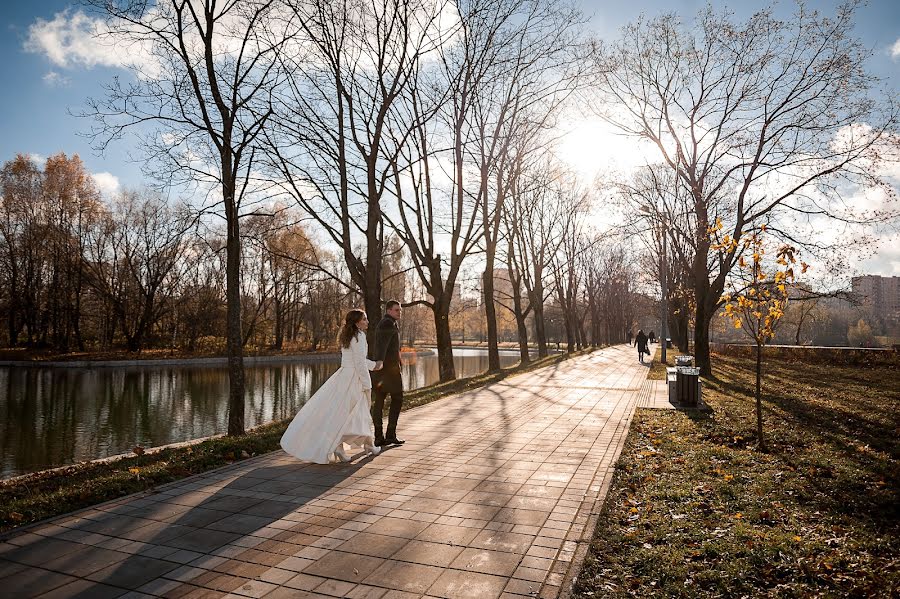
point(339, 413)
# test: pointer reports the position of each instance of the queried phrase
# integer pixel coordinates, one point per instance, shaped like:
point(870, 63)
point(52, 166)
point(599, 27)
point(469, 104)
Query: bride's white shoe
point(339, 454)
point(373, 449)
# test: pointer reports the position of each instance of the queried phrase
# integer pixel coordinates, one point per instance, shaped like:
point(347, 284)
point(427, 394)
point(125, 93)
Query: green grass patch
point(696, 510)
point(46, 494)
point(657, 368)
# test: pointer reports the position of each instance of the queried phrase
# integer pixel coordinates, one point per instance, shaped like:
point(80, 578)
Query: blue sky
point(40, 93)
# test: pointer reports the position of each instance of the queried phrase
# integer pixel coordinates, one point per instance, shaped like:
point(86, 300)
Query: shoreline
point(210, 361)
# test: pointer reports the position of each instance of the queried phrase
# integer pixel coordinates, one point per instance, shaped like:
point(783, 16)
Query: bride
point(338, 413)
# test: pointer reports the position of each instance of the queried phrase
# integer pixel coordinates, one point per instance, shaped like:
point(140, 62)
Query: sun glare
point(591, 146)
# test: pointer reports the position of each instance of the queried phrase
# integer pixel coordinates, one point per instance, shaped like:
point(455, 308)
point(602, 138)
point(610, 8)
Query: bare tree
point(761, 121)
point(46, 214)
point(435, 207)
point(657, 208)
point(537, 219)
point(20, 183)
point(339, 132)
point(133, 258)
point(576, 241)
point(535, 67)
point(207, 97)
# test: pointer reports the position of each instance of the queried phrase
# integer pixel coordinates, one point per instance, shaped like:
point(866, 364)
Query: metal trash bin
point(687, 386)
point(684, 360)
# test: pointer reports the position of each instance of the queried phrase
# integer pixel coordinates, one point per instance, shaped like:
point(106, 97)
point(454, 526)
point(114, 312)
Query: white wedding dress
point(338, 412)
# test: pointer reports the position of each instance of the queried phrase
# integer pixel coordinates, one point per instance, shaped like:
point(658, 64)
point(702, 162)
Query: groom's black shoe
point(380, 443)
point(394, 441)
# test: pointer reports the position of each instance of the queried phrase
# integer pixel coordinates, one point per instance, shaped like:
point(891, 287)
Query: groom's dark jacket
point(387, 349)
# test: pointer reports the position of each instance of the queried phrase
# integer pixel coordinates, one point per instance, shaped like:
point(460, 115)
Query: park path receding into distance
point(492, 496)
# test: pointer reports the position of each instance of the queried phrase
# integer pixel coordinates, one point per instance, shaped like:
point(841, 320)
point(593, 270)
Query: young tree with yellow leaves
point(760, 295)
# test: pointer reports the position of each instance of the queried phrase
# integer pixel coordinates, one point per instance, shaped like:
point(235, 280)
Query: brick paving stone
point(350, 567)
point(404, 576)
point(82, 563)
point(374, 545)
point(502, 541)
point(82, 588)
point(31, 582)
point(499, 563)
point(493, 495)
point(430, 554)
point(132, 572)
point(454, 584)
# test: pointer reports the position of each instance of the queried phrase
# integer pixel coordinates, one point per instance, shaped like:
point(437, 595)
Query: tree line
point(83, 272)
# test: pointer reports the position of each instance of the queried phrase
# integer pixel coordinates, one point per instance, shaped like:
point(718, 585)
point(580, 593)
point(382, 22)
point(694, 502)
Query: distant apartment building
point(881, 297)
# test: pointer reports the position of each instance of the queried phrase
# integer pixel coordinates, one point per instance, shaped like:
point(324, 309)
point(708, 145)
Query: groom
point(387, 381)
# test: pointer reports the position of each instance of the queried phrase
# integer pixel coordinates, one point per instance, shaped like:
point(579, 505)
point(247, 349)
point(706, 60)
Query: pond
point(56, 416)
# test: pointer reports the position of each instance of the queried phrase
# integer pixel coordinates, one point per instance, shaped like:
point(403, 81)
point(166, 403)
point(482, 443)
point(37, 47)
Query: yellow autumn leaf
point(729, 477)
point(738, 516)
point(737, 323)
point(134, 470)
point(798, 538)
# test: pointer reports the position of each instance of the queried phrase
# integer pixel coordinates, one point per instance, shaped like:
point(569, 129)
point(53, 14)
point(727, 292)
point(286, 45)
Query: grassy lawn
point(42, 495)
point(696, 510)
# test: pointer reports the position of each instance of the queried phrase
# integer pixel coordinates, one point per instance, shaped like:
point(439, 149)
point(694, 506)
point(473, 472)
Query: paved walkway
point(494, 495)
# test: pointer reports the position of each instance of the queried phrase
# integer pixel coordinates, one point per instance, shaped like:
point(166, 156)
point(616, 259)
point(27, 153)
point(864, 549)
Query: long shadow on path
point(188, 533)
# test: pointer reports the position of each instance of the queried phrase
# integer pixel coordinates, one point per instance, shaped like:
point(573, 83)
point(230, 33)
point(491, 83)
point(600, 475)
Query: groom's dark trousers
point(388, 380)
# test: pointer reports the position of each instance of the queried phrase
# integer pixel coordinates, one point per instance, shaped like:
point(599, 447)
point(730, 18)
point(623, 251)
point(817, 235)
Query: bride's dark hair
point(349, 330)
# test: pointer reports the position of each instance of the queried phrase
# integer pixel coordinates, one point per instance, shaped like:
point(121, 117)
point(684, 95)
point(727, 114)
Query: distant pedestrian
point(652, 337)
point(641, 342)
point(630, 337)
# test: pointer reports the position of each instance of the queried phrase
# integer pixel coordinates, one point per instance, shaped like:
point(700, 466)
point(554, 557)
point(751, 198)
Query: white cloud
point(38, 159)
point(107, 183)
point(73, 39)
point(54, 79)
point(895, 49)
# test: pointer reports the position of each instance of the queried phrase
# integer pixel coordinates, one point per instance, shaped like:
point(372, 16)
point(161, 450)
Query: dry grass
point(696, 510)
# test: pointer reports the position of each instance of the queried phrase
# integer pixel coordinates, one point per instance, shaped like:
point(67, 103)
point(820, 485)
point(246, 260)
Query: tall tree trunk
point(490, 312)
point(233, 312)
point(759, 422)
point(701, 341)
point(524, 357)
point(540, 327)
point(279, 315)
point(11, 319)
point(446, 367)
